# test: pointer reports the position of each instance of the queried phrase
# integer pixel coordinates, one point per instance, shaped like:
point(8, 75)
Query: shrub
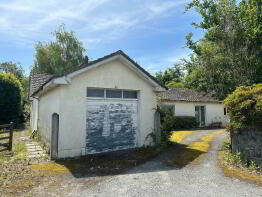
point(10, 98)
point(245, 107)
point(169, 122)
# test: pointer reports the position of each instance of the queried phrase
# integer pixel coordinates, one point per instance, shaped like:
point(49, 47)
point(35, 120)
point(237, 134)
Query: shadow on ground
point(176, 156)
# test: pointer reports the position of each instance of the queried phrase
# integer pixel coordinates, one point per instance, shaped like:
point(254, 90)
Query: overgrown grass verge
point(16, 175)
point(14, 169)
point(236, 166)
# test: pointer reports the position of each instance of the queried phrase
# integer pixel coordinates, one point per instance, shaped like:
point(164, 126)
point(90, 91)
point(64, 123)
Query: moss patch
point(179, 136)
point(50, 169)
point(189, 153)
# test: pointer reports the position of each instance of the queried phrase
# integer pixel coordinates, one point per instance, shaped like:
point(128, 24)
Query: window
point(109, 93)
point(113, 93)
point(130, 94)
point(95, 92)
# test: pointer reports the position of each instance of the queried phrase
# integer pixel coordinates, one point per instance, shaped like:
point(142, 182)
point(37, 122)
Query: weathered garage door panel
point(111, 125)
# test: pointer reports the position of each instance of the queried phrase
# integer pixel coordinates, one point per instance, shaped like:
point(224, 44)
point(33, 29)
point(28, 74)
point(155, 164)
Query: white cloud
point(26, 21)
point(160, 7)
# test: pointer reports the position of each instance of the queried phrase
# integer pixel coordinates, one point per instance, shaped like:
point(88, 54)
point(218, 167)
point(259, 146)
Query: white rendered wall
point(214, 111)
point(70, 103)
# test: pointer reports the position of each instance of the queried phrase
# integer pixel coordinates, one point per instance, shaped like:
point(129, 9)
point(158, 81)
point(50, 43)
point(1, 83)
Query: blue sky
point(150, 31)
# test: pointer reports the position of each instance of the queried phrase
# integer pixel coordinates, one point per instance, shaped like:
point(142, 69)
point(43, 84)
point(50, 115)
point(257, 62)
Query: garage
point(111, 120)
point(104, 105)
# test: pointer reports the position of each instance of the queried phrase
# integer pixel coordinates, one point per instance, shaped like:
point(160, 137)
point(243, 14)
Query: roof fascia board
point(158, 88)
point(54, 82)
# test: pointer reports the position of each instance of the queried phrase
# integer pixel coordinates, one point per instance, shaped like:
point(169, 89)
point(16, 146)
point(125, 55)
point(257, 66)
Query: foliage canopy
point(230, 54)
point(171, 75)
point(245, 106)
point(60, 56)
point(15, 68)
point(10, 98)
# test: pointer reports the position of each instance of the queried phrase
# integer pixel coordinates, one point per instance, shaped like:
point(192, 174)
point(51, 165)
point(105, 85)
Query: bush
point(169, 122)
point(245, 107)
point(10, 98)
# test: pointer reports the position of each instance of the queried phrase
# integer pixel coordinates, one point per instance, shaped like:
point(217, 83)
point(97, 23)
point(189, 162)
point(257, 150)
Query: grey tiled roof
point(183, 94)
point(37, 80)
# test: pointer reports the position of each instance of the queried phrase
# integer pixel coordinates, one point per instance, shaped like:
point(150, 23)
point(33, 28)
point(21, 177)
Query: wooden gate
point(6, 140)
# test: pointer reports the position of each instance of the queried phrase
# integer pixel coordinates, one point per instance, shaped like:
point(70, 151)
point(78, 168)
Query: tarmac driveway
point(201, 177)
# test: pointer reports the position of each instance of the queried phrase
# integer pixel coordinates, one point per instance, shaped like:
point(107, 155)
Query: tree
point(175, 84)
point(173, 74)
point(25, 85)
point(17, 70)
point(10, 98)
point(60, 56)
point(230, 53)
point(14, 68)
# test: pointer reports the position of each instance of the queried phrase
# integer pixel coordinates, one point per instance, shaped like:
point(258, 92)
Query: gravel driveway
point(155, 178)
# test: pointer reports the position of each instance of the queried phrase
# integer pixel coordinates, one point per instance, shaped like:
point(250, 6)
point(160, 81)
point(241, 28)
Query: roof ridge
point(185, 94)
point(84, 65)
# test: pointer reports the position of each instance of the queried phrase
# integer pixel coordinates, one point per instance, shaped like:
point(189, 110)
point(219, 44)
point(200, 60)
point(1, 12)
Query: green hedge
point(245, 107)
point(10, 98)
point(178, 122)
point(169, 122)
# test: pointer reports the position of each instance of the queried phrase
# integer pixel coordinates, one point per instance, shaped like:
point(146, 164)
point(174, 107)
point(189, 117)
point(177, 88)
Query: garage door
point(111, 123)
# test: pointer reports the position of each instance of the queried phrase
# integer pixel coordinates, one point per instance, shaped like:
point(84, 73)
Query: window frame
point(110, 89)
point(95, 89)
point(123, 91)
point(113, 90)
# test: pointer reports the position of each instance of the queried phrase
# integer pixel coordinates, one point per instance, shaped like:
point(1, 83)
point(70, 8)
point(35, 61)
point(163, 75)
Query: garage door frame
point(137, 134)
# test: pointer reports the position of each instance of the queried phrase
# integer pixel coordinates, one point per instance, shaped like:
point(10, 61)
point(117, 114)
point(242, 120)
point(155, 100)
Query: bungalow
point(105, 105)
point(185, 102)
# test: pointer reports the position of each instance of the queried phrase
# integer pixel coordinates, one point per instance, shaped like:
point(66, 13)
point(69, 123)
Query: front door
point(200, 112)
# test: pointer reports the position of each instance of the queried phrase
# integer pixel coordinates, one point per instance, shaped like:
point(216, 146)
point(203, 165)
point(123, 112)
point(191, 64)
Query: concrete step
point(36, 156)
point(34, 148)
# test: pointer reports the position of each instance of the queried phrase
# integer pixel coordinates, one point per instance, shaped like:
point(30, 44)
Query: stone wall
point(249, 142)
